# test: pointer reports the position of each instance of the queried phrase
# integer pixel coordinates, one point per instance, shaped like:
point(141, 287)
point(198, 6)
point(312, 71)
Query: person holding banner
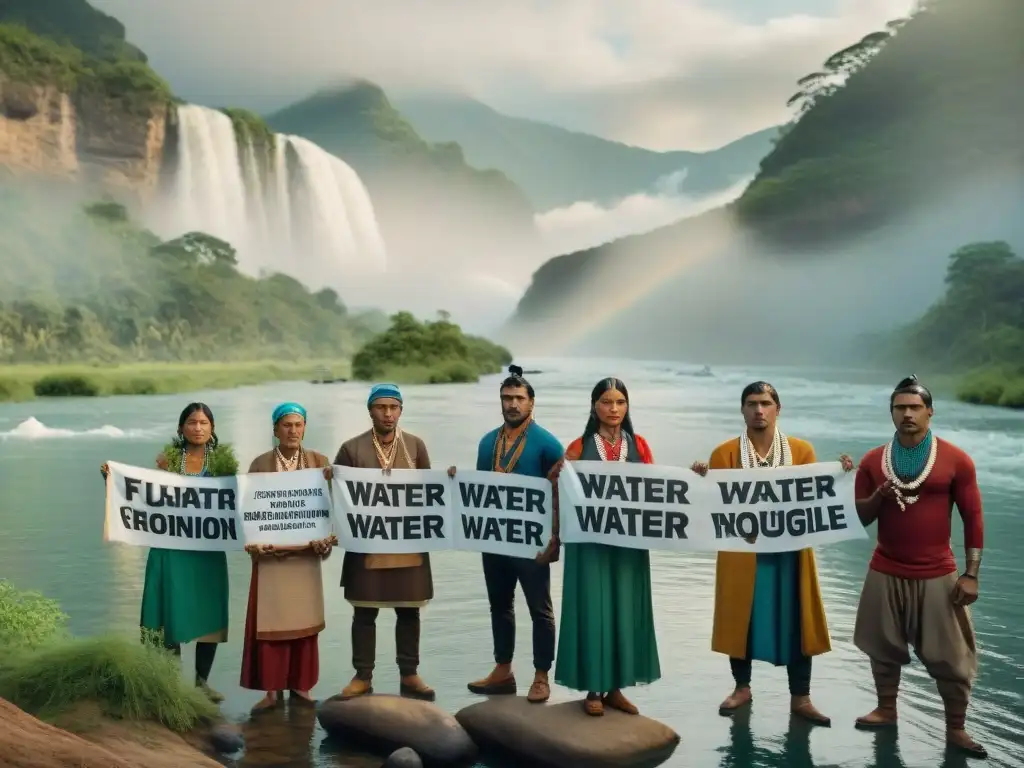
point(768, 606)
point(520, 446)
point(185, 596)
point(913, 595)
point(607, 640)
point(374, 581)
point(286, 595)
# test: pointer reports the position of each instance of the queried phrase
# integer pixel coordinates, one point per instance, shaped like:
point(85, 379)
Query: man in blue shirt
point(523, 447)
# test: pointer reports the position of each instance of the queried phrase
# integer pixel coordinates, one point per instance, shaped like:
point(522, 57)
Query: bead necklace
point(779, 454)
point(183, 469)
point(905, 489)
point(603, 452)
point(298, 461)
point(386, 457)
point(509, 455)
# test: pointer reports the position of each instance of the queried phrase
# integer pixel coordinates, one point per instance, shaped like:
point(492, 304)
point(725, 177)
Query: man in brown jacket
point(375, 581)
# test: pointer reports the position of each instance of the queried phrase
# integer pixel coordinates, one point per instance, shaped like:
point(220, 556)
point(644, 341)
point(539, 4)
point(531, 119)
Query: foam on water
point(33, 429)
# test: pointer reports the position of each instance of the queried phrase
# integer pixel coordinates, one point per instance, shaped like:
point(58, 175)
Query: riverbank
point(25, 382)
point(108, 701)
point(1004, 389)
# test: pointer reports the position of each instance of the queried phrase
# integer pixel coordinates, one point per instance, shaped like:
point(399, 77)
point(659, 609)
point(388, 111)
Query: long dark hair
point(191, 408)
point(600, 388)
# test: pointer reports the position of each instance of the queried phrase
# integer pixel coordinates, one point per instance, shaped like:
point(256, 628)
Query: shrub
point(27, 619)
point(59, 385)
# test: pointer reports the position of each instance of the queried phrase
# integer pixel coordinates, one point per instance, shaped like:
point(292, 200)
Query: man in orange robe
point(768, 606)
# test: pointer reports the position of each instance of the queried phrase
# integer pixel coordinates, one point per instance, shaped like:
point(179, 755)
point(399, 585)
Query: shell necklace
point(288, 465)
point(905, 495)
point(779, 454)
point(602, 451)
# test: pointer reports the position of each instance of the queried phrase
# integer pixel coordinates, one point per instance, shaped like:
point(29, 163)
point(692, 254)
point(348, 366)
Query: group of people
point(768, 607)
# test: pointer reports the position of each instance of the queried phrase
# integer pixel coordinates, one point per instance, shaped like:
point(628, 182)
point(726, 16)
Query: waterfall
point(303, 212)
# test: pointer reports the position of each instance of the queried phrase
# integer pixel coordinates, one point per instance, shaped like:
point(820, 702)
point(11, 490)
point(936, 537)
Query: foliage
point(978, 325)
point(90, 287)
point(29, 58)
point(251, 129)
point(73, 23)
point(894, 116)
point(45, 671)
point(65, 385)
point(430, 352)
point(27, 619)
point(221, 462)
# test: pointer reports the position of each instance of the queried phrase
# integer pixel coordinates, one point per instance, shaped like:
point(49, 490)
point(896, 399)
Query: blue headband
point(378, 391)
point(286, 409)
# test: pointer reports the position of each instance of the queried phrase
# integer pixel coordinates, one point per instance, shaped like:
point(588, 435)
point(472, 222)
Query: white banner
point(405, 512)
point(153, 508)
point(503, 514)
point(647, 506)
point(285, 508)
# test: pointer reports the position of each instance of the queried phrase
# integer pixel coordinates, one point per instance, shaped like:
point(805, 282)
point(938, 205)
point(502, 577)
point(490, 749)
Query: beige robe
point(385, 580)
point(290, 589)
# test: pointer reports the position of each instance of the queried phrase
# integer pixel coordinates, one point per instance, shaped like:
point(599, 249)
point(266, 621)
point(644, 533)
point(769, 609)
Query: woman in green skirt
point(185, 597)
point(607, 640)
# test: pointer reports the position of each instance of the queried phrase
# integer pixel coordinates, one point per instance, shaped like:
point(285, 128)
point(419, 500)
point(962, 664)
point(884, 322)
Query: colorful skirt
point(186, 596)
point(606, 637)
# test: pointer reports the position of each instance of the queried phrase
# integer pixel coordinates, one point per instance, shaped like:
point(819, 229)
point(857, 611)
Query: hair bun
point(515, 370)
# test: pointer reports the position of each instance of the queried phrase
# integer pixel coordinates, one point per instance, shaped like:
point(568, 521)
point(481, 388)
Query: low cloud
point(657, 73)
point(586, 224)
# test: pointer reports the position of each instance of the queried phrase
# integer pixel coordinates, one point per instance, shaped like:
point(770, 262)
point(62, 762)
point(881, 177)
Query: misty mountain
point(556, 167)
point(847, 226)
point(426, 195)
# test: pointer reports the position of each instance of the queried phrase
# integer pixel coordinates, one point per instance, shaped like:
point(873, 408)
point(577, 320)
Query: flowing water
point(52, 507)
point(221, 188)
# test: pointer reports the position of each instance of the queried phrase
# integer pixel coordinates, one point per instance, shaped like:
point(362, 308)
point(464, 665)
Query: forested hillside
point(907, 111)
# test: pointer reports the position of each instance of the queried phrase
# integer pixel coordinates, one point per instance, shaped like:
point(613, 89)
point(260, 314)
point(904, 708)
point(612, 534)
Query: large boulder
point(384, 722)
point(564, 736)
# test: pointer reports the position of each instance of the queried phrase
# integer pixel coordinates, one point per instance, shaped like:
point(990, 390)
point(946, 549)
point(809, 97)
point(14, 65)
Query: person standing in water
point(374, 581)
point(607, 639)
point(286, 595)
point(519, 446)
point(185, 596)
point(768, 606)
point(913, 595)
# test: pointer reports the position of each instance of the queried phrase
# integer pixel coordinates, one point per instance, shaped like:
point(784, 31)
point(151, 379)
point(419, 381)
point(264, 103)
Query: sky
point(662, 74)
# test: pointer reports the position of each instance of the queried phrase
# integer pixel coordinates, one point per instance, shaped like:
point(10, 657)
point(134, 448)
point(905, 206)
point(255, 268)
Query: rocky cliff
point(89, 138)
point(65, 113)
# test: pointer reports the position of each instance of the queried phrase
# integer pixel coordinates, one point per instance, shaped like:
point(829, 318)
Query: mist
point(586, 224)
point(709, 292)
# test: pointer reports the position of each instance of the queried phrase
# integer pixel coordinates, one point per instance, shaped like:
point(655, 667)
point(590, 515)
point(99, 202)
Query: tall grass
point(23, 382)
point(47, 672)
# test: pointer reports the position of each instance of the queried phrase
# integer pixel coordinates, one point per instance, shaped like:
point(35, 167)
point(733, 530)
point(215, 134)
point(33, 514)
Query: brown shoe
point(738, 698)
point(593, 706)
point(877, 719)
point(414, 687)
point(540, 691)
point(616, 700)
point(501, 681)
point(358, 687)
point(801, 706)
point(960, 740)
point(211, 694)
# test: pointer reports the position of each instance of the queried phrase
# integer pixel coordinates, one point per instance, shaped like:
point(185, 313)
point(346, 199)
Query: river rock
point(226, 739)
point(387, 722)
point(564, 736)
point(403, 758)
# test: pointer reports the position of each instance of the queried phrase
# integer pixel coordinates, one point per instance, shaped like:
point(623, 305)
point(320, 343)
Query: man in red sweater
point(913, 595)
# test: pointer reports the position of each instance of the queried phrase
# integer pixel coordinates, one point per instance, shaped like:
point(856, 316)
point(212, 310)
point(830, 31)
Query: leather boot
point(358, 687)
point(499, 681)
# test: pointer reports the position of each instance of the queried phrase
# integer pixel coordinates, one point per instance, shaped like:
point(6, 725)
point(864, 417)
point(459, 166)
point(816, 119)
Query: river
point(52, 506)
